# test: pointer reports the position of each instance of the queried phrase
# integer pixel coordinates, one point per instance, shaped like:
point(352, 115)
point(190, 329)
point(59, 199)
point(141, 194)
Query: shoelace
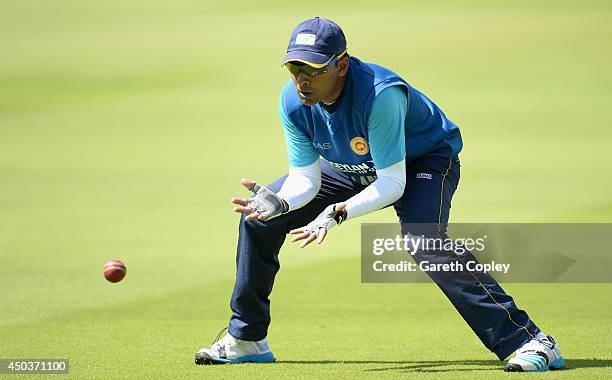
point(218, 345)
point(549, 343)
point(219, 335)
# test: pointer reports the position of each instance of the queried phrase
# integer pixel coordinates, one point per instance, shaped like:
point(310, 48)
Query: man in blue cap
point(382, 143)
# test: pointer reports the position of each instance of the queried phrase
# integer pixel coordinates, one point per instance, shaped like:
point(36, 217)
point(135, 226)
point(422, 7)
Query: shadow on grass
point(413, 365)
point(436, 365)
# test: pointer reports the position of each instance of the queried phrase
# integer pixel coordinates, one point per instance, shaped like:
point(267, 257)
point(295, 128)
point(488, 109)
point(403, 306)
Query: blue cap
point(315, 42)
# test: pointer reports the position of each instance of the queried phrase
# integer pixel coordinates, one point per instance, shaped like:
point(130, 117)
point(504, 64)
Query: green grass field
point(125, 128)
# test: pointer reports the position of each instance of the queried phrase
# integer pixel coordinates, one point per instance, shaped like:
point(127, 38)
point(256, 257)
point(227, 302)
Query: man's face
point(314, 89)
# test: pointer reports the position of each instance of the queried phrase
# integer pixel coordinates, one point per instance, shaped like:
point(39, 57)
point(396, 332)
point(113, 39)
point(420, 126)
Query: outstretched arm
point(301, 185)
point(387, 146)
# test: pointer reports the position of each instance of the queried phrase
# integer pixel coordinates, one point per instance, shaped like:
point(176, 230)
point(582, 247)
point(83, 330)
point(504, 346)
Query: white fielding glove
point(266, 202)
point(326, 219)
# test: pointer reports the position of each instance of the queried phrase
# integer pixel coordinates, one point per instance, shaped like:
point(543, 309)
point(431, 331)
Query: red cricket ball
point(114, 270)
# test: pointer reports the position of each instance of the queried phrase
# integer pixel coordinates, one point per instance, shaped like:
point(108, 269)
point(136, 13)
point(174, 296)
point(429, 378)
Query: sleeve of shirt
point(388, 150)
point(386, 134)
point(304, 179)
point(301, 185)
point(299, 147)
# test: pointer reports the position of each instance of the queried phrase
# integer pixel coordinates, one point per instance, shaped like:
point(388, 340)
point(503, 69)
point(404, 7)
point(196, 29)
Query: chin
point(309, 102)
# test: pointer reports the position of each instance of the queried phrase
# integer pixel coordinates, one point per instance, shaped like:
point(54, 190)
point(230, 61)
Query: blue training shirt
point(378, 120)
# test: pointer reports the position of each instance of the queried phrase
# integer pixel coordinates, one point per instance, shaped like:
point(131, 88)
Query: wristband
point(340, 216)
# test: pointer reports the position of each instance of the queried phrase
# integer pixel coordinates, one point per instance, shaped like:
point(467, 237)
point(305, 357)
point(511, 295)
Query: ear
point(343, 65)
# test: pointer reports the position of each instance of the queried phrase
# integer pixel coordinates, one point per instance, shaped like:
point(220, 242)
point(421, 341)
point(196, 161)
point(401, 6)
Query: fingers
point(322, 234)
point(239, 201)
point(246, 183)
point(244, 203)
point(243, 210)
point(301, 234)
point(309, 240)
point(252, 216)
point(308, 236)
point(246, 209)
point(251, 185)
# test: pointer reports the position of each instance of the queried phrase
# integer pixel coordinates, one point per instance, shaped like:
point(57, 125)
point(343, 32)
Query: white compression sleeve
point(386, 189)
point(302, 185)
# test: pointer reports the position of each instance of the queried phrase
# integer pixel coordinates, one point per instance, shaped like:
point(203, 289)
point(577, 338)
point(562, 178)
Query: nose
point(303, 79)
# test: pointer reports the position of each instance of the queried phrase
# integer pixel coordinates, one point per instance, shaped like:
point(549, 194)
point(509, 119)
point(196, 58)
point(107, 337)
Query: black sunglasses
point(296, 67)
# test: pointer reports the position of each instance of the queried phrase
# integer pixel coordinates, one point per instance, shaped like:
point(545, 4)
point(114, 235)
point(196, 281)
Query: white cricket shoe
point(231, 350)
point(538, 355)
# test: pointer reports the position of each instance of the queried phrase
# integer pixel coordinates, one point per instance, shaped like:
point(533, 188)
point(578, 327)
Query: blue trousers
point(488, 310)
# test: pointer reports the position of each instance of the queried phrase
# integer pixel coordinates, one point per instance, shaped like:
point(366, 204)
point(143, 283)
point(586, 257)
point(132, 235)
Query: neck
point(336, 92)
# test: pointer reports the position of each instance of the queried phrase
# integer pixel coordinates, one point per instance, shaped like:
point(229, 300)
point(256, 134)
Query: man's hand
point(264, 205)
point(317, 229)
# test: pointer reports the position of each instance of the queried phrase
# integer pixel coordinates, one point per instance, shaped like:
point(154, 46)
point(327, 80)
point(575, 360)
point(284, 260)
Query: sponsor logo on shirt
point(359, 145)
point(364, 173)
point(366, 167)
point(324, 145)
point(424, 175)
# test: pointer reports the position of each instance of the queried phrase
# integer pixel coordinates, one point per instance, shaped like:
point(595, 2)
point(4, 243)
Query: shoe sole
point(557, 364)
point(268, 357)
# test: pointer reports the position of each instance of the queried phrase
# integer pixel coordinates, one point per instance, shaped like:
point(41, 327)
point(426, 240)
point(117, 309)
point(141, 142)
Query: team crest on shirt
point(359, 145)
